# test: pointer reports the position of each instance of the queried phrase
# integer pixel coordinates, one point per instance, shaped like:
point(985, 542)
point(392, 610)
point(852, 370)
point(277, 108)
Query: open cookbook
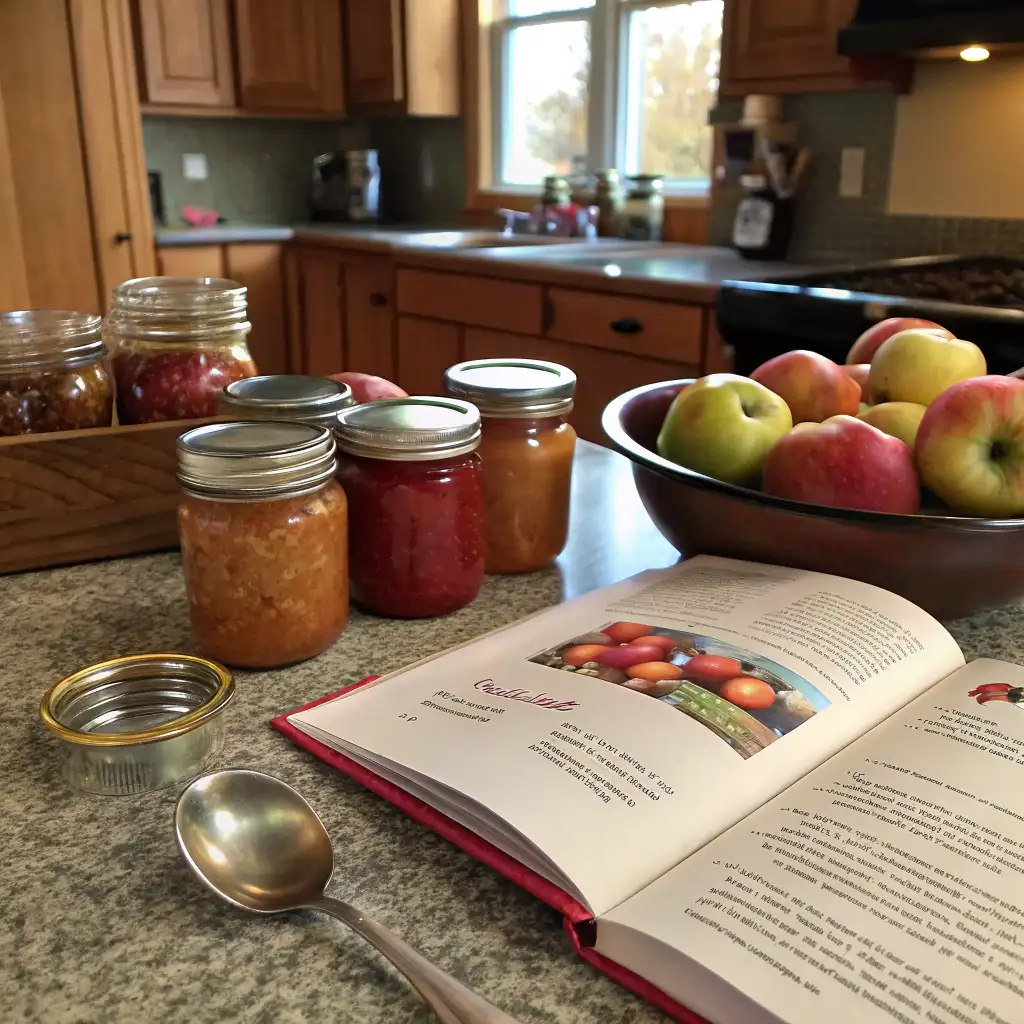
point(756, 794)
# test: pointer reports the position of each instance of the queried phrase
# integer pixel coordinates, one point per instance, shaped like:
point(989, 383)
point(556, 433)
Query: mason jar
point(176, 343)
point(527, 449)
point(412, 476)
point(287, 396)
point(52, 372)
point(263, 526)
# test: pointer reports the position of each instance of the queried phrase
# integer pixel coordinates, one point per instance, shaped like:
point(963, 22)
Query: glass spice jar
point(412, 476)
point(644, 212)
point(176, 343)
point(263, 526)
point(610, 200)
point(52, 372)
point(287, 396)
point(527, 451)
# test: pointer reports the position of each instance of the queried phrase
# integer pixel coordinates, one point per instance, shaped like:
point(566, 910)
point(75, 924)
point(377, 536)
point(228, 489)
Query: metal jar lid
point(409, 429)
point(255, 459)
point(287, 396)
point(509, 388)
point(131, 701)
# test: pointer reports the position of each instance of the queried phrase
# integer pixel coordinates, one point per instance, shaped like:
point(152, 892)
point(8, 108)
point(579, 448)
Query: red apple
point(865, 347)
point(844, 463)
point(812, 386)
point(368, 388)
point(712, 668)
point(970, 446)
point(858, 372)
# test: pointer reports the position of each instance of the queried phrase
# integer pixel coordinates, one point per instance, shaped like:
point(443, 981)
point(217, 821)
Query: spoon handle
point(450, 1000)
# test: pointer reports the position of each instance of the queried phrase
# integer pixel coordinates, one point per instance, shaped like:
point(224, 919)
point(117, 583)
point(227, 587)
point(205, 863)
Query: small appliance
point(346, 186)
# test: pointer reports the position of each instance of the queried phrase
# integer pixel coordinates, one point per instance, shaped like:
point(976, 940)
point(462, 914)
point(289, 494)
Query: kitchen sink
point(485, 240)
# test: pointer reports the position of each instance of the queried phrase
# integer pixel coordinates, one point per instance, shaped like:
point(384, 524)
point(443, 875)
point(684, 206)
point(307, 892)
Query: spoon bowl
point(254, 841)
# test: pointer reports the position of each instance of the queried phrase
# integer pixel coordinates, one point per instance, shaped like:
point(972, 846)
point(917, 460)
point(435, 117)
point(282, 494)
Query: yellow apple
point(918, 365)
point(723, 426)
point(898, 419)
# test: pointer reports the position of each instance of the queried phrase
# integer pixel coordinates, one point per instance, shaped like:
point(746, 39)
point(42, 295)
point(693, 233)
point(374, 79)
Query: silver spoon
point(256, 843)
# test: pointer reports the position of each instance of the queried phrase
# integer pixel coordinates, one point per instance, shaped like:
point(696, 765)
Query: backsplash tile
point(830, 229)
point(259, 168)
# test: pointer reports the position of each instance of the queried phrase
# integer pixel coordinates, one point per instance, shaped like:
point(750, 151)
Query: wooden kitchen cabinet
point(318, 314)
point(185, 52)
point(257, 266)
point(426, 348)
point(289, 55)
point(403, 56)
point(784, 46)
point(369, 287)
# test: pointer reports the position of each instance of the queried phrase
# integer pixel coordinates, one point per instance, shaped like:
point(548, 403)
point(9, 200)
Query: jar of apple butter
point(264, 541)
point(527, 448)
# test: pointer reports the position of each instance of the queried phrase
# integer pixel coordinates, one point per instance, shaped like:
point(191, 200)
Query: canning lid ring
point(222, 696)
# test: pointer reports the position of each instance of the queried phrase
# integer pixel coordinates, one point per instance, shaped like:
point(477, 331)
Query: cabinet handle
point(122, 236)
point(378, 299)
point(627, 325)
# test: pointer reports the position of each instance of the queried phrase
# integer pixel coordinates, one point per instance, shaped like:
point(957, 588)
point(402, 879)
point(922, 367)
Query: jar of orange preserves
point(527, 450)
point(263, 526)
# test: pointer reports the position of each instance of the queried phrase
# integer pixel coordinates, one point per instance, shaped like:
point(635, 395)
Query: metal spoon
point(256, 843)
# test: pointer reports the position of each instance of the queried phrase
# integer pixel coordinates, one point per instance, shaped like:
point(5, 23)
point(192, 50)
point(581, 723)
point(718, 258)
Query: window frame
point(608, 93)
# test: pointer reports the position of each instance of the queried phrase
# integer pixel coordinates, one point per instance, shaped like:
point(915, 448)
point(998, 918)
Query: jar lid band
point(287, 396)
point(510, 388)
point(409, 429)
point(45, 339)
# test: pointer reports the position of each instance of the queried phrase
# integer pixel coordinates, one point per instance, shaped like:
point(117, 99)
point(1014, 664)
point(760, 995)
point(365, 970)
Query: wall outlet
point(194, 166)
point(851, 173)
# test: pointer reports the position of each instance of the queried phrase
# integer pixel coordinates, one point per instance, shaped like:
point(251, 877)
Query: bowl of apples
point(903, 468)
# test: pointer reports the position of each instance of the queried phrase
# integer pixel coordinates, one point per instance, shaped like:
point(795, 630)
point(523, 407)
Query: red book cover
point(579, 923)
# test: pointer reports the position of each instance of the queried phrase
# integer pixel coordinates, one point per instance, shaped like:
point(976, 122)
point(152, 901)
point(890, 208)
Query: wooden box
point(83, 495)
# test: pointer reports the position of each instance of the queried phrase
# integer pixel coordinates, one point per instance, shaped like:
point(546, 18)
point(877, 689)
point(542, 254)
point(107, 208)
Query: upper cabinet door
point(289, 55)
point(789, 42)
point(185, 52)
point(375, 66)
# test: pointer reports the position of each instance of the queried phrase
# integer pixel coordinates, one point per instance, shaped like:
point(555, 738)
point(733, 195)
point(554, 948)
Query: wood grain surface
point(88, 494)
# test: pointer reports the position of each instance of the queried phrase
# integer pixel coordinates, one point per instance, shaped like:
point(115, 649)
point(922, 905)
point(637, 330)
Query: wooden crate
point(83, 495)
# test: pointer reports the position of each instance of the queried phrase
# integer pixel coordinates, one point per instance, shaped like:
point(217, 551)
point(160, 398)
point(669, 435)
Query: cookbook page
point(620, 732)
point(887, 885)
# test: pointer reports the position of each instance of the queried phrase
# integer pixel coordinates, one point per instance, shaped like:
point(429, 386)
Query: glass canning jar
point(263, 526)
point(287, 396)
point(176, 342)
point(527, 451)
point(52, 372)
point(412, 476)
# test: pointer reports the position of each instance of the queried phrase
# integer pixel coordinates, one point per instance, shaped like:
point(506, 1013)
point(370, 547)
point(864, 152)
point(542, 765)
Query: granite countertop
point(103, 921)
point(681, 273)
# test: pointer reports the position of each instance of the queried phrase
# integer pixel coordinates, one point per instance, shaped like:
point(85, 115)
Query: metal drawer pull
point(627, 325)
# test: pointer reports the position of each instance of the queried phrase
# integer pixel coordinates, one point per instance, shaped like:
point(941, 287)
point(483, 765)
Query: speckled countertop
point(100, 921)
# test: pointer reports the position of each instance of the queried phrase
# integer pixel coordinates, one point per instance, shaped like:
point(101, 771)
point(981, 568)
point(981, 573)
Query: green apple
point(898, 419)
point(970, 447)
point(918, 365)
point(723, 426)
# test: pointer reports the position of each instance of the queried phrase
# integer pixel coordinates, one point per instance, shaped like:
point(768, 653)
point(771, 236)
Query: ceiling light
point(975, 54)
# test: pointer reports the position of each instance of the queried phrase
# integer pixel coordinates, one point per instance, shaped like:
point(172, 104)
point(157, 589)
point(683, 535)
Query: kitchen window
point(580, 85)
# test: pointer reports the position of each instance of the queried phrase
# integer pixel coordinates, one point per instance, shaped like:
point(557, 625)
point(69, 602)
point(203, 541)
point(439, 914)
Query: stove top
point(979, 298)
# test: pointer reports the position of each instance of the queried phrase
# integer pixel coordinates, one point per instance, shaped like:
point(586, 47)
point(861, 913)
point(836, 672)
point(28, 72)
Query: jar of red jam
point(413, 480)
point(52, 372)
point(263, 526)
point(176, 343)
point(527, 450)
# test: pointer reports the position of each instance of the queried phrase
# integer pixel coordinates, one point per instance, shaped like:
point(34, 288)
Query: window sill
point(488, 200)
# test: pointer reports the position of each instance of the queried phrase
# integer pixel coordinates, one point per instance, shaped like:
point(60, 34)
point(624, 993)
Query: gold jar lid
point(411, 429)
point(141, 699)
point(287, 396)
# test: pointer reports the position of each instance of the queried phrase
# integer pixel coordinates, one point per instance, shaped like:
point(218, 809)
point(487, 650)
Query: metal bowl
point(137, 724)
point(949, 565)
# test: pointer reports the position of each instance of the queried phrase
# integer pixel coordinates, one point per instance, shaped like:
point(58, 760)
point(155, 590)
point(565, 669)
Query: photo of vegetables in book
point(747, 700)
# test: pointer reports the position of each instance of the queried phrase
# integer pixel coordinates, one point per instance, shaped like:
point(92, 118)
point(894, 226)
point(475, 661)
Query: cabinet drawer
point(664, 330)
point(480, 301)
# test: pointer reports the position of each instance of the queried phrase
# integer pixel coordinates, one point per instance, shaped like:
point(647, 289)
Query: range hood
point(932, 28)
